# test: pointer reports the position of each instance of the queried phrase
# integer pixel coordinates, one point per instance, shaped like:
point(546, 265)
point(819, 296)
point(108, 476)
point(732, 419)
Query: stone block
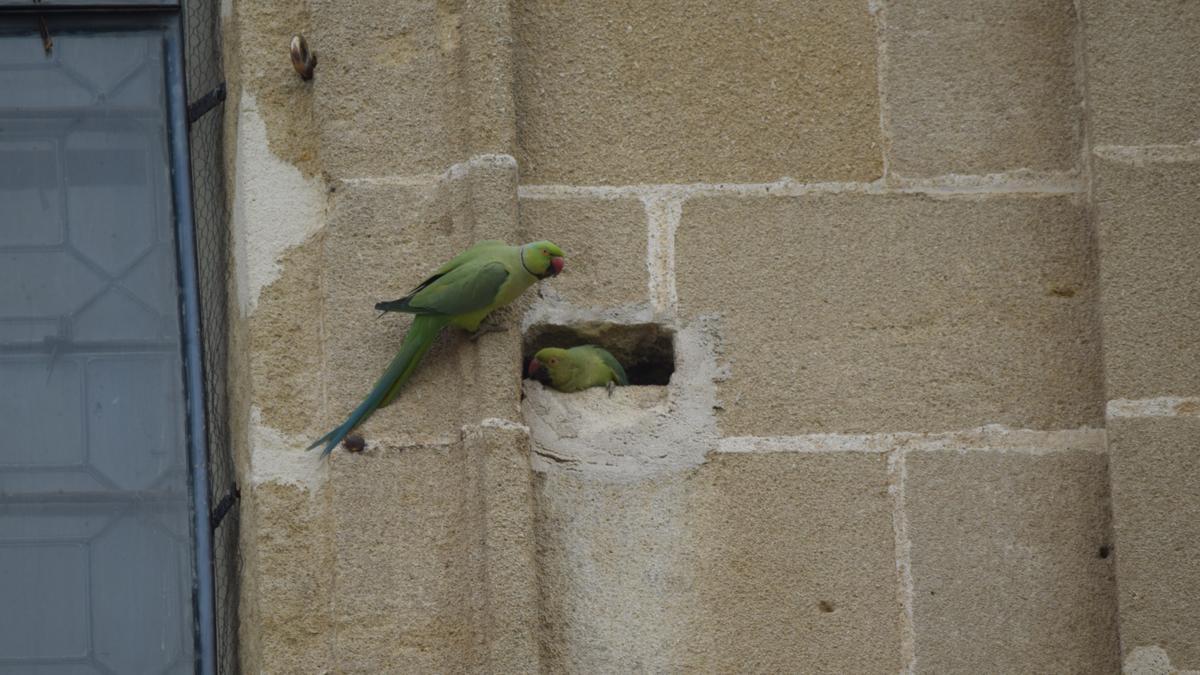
point(614, 93)
point(407, 88)
point(407, 569)
point(748, 563)
point(605, 245)
point(615, 572)
point(862, 313)
point(434, 556)
point(1011, 562)
point(1142, 65)
point(796, 565)
point(285, 618)
point(1150, 276)
point(605, 242)
point(1155, 467)
point(980, 87)
point(509, 618)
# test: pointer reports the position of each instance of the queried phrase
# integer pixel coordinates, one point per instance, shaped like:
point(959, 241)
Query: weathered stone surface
point(845, 312)
point(636, 92)
point(795, 567)
point(407, 567)
point(614, 571)
point(1008, 569)
point(285, 617)
point(413, 85)
point(1142, 65)
point(509, 616)
point(1155, 467)
point(980, 87)
point(434, 557)
point(683, 571)
point(433, 551)
point(1150, 276)
point(256, 36)
point(605, 243)
point(284, 346)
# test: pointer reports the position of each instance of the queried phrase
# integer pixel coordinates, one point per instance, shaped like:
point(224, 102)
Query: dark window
point(105, 564)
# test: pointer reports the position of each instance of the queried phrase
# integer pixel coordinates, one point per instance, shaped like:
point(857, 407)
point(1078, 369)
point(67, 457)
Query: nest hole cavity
point(645, 350)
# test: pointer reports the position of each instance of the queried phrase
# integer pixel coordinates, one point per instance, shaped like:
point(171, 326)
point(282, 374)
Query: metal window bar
point(181, 178)
point(206, 94)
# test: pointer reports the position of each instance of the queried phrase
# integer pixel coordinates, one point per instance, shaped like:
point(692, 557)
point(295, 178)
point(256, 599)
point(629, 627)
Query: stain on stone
point(397, 49)
point(260, 35)
point(825, 606)
point(1061, 291)
point(449, 18)
point(1187, 408)
point(1104, 552)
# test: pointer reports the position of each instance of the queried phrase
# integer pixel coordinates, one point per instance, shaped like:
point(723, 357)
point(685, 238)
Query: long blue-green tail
point(417, 341)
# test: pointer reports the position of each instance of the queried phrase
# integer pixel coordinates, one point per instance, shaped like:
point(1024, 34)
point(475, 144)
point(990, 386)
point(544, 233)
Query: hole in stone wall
point(645, 350)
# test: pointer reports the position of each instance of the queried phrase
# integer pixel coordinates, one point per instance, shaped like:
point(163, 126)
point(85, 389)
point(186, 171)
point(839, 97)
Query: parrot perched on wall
point(462, 292)
point(579, 368)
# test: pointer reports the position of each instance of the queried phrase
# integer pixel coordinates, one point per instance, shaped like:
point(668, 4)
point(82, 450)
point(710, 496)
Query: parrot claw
point(486, 328)
point(610, 387)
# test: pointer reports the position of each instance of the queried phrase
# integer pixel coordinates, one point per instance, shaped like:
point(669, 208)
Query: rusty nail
point(303, 60)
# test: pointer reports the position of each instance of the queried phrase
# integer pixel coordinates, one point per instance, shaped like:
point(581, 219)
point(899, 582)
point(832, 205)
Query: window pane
point(95, 541)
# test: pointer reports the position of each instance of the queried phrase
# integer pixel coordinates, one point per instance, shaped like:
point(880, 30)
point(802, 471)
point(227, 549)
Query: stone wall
point(930, 271)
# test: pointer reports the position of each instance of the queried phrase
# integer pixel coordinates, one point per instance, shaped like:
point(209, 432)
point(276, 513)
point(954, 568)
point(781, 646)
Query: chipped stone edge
point(550, 310)
point(274, 207)
point(498, 423)
point(278, 458)
point(1162, 406)
point(1151, 660)
point(678, 441)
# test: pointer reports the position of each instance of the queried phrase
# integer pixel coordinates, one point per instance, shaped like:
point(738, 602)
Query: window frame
point(168, 14)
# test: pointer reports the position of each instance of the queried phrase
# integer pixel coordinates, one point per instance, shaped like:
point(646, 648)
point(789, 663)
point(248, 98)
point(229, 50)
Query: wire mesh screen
point(204, 76)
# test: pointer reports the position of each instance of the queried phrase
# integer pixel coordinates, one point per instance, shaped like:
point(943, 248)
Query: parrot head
point(542, 259)
point(554, 362)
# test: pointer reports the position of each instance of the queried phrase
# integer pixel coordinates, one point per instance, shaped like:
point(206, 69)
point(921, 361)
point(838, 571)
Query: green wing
point(612, 364)
point(459, 261)
point(465, 257)
point(466, 289)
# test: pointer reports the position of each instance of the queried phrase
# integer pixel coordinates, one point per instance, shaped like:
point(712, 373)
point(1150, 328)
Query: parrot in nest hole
point(462, 292)
point(579, 368)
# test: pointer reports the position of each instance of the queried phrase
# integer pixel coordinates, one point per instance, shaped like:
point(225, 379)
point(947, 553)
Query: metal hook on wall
point(303, 60)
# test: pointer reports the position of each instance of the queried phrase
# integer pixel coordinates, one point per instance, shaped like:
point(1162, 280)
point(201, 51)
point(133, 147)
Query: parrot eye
point(545, 252)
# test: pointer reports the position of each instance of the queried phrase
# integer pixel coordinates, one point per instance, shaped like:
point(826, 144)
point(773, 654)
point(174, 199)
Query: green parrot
point(462, 292)
point(579, 368)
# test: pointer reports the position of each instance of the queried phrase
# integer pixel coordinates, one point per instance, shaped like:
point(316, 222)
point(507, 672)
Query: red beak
point(556, 264)
point(534, 364)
